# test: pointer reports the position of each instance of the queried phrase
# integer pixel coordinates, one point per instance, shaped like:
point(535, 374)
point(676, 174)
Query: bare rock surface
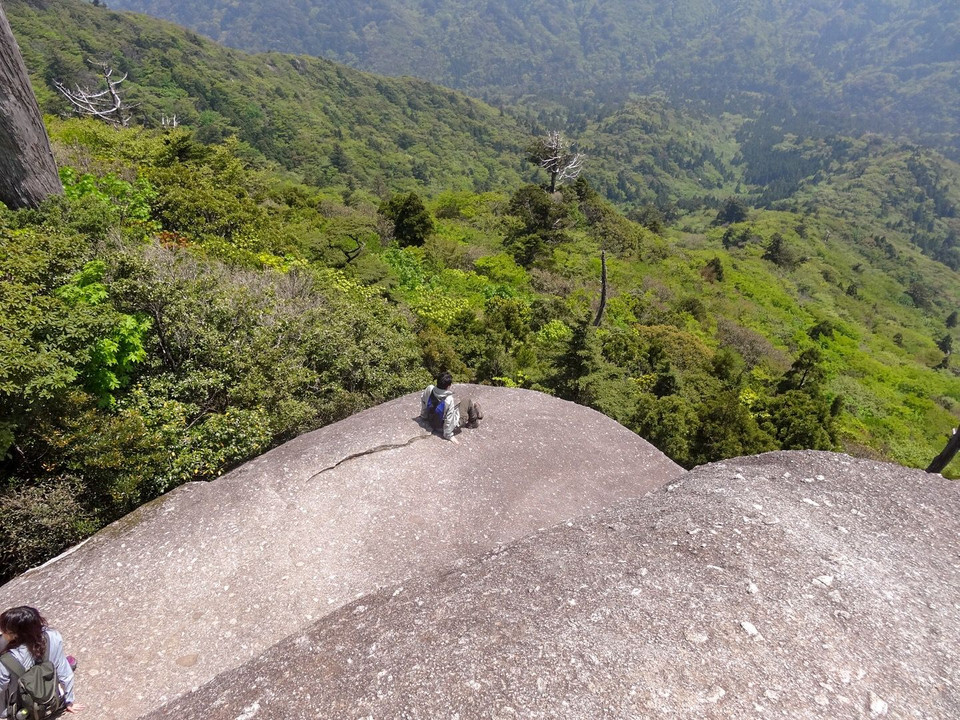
point(213, 574)
point(794, 585)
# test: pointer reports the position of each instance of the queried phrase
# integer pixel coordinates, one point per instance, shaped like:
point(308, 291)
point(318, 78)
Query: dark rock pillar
point(28, 173)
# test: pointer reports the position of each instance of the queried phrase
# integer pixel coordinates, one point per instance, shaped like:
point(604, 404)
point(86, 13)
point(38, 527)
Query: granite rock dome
point(212, 575)
point(795, 584)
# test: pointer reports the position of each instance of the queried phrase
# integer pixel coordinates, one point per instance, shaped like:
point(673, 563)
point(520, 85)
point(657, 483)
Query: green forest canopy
point(883, 65)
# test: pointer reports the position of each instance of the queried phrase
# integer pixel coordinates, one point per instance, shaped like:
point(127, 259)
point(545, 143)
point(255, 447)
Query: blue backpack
point(436, 409)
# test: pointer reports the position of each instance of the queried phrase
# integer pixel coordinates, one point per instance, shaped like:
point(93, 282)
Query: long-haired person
point(28, 640)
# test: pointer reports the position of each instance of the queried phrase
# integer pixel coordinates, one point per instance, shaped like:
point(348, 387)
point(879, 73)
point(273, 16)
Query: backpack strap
point(16, 670)
point(12, 665)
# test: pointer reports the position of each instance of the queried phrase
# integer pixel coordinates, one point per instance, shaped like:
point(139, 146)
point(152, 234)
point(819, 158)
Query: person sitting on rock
point(444, 412)
point(27, 641)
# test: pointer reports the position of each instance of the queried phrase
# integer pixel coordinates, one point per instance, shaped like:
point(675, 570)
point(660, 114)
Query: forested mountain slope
point(311, 241)
point(333, 125)
point(336, 127)
point(881, 65)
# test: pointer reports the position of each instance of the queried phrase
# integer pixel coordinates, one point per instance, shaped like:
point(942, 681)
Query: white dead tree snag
point(28, 173)
point(106, 104)
point(552, 152)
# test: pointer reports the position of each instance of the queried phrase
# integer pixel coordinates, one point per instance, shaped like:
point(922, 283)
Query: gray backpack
point(33, 694)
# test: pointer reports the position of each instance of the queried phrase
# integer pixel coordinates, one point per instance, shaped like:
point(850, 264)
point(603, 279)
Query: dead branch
point(552, 153)
point(107, 104)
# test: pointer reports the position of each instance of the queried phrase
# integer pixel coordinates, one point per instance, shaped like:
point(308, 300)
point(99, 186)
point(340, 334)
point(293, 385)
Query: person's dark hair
point(444, 380)
point(26, 624)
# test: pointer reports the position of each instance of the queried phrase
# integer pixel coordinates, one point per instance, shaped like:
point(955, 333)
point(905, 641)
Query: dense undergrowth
point(186, 306)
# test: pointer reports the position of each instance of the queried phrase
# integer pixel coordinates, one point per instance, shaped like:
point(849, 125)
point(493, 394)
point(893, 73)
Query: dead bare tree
point(603, 288)
point(106, 104)
point(552, 153)
point(946, 455)
point(28, 173)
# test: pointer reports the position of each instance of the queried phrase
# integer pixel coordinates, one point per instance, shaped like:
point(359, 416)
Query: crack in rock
point(371, 451)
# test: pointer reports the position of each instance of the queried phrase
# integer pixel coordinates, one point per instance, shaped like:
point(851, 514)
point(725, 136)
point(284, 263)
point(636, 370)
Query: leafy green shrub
point(39, 521)
point(501, 268)
point(408, 266)
point(59, 330)
point(122, 202)
point(780, 253)
point(554, 332)
point(537, 219)
point(112, 358)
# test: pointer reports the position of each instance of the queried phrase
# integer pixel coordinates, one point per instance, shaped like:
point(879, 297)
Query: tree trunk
point(28, 173)
point(946, 455)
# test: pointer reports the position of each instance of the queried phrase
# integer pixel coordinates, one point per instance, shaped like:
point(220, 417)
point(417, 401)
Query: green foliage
point(922, 294)
point(112, 358)
point(780, 253)
point(580, 361)
point(38, 523)
point(726, 428)
point(669, 423)
point(650, 217)
point(121, 203)
point(411, 220)
point(806, 372)
point(502, 269)
point(535, 224)
point(536, 211)
point(798, 420)
point(554, 332)
point(734, 210)
point(58, 329)
point(335, 127)
point(833, 61)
